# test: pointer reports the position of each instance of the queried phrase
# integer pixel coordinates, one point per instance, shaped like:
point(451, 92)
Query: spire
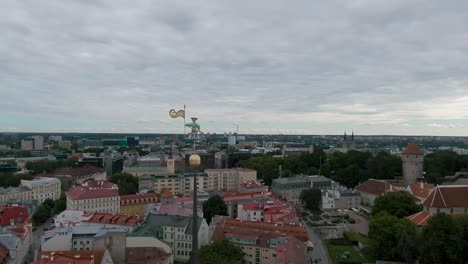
point(352, 135)
point(344, 135)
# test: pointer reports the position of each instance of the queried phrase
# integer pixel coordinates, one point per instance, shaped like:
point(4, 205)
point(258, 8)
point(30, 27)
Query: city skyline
point(308, 67)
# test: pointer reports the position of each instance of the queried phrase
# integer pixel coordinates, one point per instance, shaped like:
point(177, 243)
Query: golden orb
point(194, 161)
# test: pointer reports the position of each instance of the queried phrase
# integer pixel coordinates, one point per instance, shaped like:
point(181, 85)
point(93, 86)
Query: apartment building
point(99, 196)
point(229, 179)
point(21, 193)
point(43, 188)
point(175, 231)
point(177, 183)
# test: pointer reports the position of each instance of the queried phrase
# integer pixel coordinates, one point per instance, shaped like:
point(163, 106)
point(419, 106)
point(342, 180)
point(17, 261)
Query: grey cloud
point(321, 61)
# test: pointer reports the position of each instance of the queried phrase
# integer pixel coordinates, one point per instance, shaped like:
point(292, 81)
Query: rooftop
point(138, 196)
point(166, 193)
point(117, 219)
point(448, 196)
point(252, 185)
point(71, 257)
point(43, 181)
point(375, 187)
point(79, 172)
point(230, 170)
point(93, 189)
point(421, 190)
point(153, 220)
point(412, 149)
point(296, 179)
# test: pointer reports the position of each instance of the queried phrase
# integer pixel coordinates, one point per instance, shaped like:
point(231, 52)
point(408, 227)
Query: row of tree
point(353, 167)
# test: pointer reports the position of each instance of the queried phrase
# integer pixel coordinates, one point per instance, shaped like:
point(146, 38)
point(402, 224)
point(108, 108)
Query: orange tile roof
point(93, 189)
point(70, 257)
point(421, 218)
point(421, 190)
point(448, 196)
point(412, 149)
point(298, 231)
point(140, 197)
point(166, 193)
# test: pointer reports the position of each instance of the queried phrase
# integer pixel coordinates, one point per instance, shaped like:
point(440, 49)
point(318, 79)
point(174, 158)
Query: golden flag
point(175, 114)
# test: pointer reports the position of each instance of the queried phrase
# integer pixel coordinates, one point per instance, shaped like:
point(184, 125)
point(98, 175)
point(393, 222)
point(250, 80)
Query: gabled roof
point(71, 257)
point(412, 149)
point(421, 190)
point(375, 187)
point(421, 218)
point(93, 189)
point(448, 196)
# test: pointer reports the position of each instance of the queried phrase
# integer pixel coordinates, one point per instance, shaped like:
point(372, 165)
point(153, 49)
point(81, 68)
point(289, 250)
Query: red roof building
point(98, 196)
point(136, 203)
point(116, 219)
point(420, 190)
point(12, 215)
point(371, 189)
point(74, 257)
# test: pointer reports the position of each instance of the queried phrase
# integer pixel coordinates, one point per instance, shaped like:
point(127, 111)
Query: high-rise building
point(27, 144)
point(38, 142)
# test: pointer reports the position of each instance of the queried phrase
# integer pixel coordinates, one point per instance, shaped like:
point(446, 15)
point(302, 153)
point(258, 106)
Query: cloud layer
point(305, 67)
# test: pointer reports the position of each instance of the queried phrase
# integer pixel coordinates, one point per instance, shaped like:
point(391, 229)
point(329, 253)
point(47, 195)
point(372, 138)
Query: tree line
point(395, 238)
point(353, 167)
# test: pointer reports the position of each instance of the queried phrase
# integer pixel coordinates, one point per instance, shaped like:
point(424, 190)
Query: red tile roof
point(375, 187)
point(86, 170)
point(70, 257)
point(421, 218)
point(412, 149)
point(448, 196)
point(141, 197)
point(117, 219)
point(166, 193)
point(291, 252)
point(17, 214)
point(298, 231)
point(421, 190)
point(93, 189)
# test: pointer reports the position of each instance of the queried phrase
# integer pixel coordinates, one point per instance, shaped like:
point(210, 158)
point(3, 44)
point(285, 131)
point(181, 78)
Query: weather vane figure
point(194, 129)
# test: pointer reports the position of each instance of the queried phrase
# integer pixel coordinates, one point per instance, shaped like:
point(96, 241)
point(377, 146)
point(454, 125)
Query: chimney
point(421, 185)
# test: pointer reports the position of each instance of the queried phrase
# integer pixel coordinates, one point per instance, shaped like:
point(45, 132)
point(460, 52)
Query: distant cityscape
point(123, 198)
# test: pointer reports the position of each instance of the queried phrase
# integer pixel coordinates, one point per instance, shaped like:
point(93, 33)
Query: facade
point(147, 250)
point(176, 231)
point(229, 179)
point(177, 183)
point(43, 188)
point(27, 144)
point(413, 160)
point(349, 143)
point(290, 189)
point(38, 142)
point(260, 241)
point(252, 187)
point(340, 198)
point(99, 196)
point(15, 193)
point(371, 189)
point(136, 203)
point(87, 237)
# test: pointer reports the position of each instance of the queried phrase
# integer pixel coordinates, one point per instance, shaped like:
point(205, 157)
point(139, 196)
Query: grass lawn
point(357, 237)
point(336, 251)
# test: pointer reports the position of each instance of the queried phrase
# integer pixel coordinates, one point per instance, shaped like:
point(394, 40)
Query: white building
point(99, 196)
point(176, 231)
point(229, 179)
point(43, 188)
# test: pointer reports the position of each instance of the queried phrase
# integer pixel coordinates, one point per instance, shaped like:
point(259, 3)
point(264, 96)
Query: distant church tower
point(349, 144)
point(413, 160)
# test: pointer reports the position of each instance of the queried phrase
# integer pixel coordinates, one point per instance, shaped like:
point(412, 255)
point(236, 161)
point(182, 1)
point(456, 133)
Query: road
point(36, 243)
point(320, 250)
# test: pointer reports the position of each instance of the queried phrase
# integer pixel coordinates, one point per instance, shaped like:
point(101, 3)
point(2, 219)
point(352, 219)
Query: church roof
point(412, 149)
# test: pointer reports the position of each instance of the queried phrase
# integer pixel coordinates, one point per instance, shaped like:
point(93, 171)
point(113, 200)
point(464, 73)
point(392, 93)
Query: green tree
point(214, 206)
point(311, 199)
point(41, 215)
point(463, 221)
point(384, 166)
point(127, 183)
point(60, 204)
point(399, 204)
point(442, 241)
point(221, 251)
point(392, 238)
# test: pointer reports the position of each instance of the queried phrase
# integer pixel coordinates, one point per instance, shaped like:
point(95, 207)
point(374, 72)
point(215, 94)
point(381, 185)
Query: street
point(36, 243)
point(320, 250)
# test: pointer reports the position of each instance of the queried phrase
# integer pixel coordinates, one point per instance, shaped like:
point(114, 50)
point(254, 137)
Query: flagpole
point(184, 123)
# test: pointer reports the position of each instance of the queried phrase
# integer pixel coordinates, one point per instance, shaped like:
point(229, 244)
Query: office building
point(99, 196)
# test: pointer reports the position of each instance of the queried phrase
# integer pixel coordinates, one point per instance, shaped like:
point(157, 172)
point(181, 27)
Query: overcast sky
point(298, 67)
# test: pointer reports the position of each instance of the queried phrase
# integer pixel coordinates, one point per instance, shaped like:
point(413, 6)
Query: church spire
point(352, 135)
point(344, 135)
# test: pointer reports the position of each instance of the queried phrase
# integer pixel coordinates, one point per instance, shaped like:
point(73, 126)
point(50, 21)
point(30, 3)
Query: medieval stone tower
point(413, 160)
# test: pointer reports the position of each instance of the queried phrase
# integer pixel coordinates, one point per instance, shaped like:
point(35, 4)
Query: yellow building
point(134, 204)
